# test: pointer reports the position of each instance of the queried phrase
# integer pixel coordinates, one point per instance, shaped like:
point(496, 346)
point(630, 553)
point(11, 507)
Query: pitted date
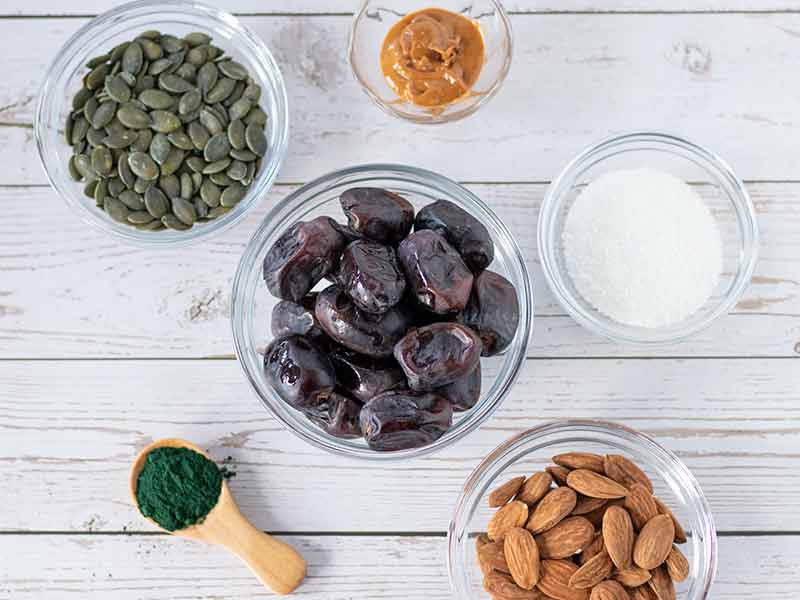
point(378, 214)
point(295, 318)
point(299, 371)
point(371, 276)
point(463, 393)
point(492, 311)
point(438, 277)
point(362, 377)
point(339, 416)
point(438, 354)
point(399, 420)
point(463, 231)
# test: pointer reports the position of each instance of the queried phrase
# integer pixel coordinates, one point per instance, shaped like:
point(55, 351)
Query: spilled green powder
point(177, 487)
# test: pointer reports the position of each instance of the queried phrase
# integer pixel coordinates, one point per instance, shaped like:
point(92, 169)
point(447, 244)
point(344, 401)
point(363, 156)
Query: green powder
point(177, 487)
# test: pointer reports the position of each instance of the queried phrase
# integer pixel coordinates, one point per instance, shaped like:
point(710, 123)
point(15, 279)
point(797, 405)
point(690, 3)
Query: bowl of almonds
point(582, 510)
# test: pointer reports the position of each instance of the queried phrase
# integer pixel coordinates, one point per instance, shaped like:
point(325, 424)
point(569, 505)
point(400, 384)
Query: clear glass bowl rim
point(283, 214)
point(154, 8)
point(431, 119)
point(566, 428)
point(745, 215)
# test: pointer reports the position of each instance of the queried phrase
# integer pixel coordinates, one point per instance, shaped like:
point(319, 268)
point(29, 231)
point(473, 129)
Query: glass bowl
point(123, 23)
point(252, 303)
point(532, 450)
point(375, 18)
point(718, 186)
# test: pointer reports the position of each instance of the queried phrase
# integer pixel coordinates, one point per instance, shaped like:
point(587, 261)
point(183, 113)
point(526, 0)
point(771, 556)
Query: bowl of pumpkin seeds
point(162, 122)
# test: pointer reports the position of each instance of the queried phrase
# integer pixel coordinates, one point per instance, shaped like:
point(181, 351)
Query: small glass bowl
point(720, 188)
point(374, 20)
point(531, 451)
point(123, 23)
point(251, 305)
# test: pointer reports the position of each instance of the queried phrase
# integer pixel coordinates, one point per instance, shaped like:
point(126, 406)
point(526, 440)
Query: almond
point(654, 542)
point(514, 514)
point(680, 534)
point(592, 572)
point(586, 505)
point(501, 496)
point(641, 505)
point(618, 536)
point(596, 516)
point(501, 586)
point(491, 557)
point(556, 505)
point(661, 584)
point(632, 576)
point(595, 547)
point(643, 592)
point(625, 472)
point(559, 474)
point(569, 537)
point(522, 556)
point(609, 590)
point(677, 565)
point(580, 460)
point(554, 582)
point(595, 485)
point(535, 487)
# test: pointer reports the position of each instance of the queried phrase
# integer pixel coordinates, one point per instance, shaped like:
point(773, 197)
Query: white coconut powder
point(642, 247)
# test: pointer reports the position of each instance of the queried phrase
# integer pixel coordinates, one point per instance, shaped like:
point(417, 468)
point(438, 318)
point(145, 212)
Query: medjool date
point(371, 276)
point(339, 416)
point(364, 378)
point(378, 214)
point(435, 272)
point(292, 318)
point(299, 371)
point(373, 335)
point(463, 231)
point(463, 393)
point(301, 258)
point(399, 420)
point(438, 355)
point(492, 311)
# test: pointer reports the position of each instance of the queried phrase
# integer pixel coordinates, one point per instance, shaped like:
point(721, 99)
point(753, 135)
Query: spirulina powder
point(177, 487)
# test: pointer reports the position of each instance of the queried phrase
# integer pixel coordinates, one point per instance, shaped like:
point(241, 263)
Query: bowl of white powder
point(647, 238)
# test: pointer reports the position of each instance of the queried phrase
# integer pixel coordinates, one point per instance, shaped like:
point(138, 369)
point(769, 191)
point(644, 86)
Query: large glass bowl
point(252, 303)
point(124, 23)
point(531, 451)
point(717, 185)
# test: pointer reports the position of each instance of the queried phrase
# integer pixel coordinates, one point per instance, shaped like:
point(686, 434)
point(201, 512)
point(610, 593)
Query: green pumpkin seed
point(184, 211)
point(190, 102)
point(79, 100)
point(157, 99)
point(256, 141)
point(198, 134)
point(115, 186)
point(121, 139)
point(79, 129)
point(243, 155)
point(102, 161)
point(83, 164)
point(173, 162)
point(98, 60)
point(143, 166)
point(235, 96)
point(155, 202)
point(90, 107)
point(115, 127)
point(118, 89)
point(210, 193)
point(147, 82)
point(104, 114)
point(222, 114)
point(233, 69)
point(189, 117)
point(257, 117)
point(97, 77)
point(252, 91)
point(90, 188)
point(131, 200)
point(142, 185)
point(198, 55)
point(187, 187)
point(240, 108)
point(101, 192)
point(221, 179)
point(251, 172)
point(80, 147)
point(127, 78)
point(196, 38)
point(216, 167)
point(151, 49)
point(124, 170)
point(159, 66)
point(173, 222)
point(73, 169)
point(132, 117)
point(218, 212)
point(214, 52)
point(139, 217)
point(236, 135)
point(232, 195)
point(197, 181)
point(160, 148)
point(133, 58)
point(172, 83)
point(237, 170)
point(116, 210)
point(95, 137)
point(187, 72)
point(164, 121)
point(221, 90)
point(143, 140)
point(200, 208)
point(196, 164)
point(210, 121)
point(179, 139)
point(68, 128)
point(207, 77)
point(217, 148)
point(170, 185)
point(172, 44)
point(118, 52)
point(150, 34)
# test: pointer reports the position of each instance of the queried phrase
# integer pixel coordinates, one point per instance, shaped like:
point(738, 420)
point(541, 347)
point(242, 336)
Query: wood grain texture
point(78, 567)
point(70, 430)
point(575, 79)
point(67, 291)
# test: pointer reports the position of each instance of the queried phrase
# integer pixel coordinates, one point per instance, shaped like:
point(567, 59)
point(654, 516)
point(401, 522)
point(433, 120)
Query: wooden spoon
point(276, 564)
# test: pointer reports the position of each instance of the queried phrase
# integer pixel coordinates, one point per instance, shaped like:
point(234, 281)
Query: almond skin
point(522, 557)
point(632, 576)
point(641, 505)
point(500, 585)
point(609, 590)
point(680, 534)
point(585, 505)
point(661, 584)
point(554, 582)
point(581, 460)
point(625, 472)
point(535, 487)
point(501, 495)
point(593, 571)
point(559, 474)
point(556, 505)
point(491, 557)
point(513, 514)
point(618, 536)
point(569, 537)
point(654, 543)
point(677, 565)
point(595, 485)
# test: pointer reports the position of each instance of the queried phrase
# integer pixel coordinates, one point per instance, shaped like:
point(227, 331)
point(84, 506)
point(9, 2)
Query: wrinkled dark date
point(339, 416)
point(371, 276)
point(463, 393)
point(492, 311)
point(399, 420)
point(438, 277)
point(438, 355)
point(364, 378)
point(378, 214)
point(299, 371)
point(373, 335)
point(301, 258)
point(464, 232)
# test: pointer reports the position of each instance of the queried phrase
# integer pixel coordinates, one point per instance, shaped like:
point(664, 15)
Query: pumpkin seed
point(256, 141)
point(179, 139)
point(198, 134)
point(83, 164)
point(143, 140)
point(79, 100)
point(216, 167)
point(243, 155)
point(233, 69)
point(187, 72)
point(173, 83)
point(98, 60)
point(236, 135)
point(104, 114)
point(132, 117)
point(139, 217)
point(186, 186)
point(217, 148)
point(73, 169)
point(218, 212)
point(170, 185)
point(156, 99)
point(124, 170)
point(160, 148)
point(79, 129)
point(95, 137)
point(240, 108)
point(121, 139)
point(116, 210)
point(198, 55)
point(155, 202)
point(190, 102)
point(151, 49)
point(196, 38)
point(118, 89)
point(210, 121)
point(184, 211)
point(251, 173)
point(257, 117)
point(142, 185)
point(143, 166)
point(102, 161)
point(131, 200)
point(166, 122)
point(68, 127)
point(236, 94)
point(97, 77)
point(221, 90)
point(148, 82)
point(159, 66)
point(115, 186)
point(197, 181)
point(189, 117)
point(173, 162)
point(173, 222)
point(237, 170)
point(101, 192)
point(118, 52)
point(252, 91)
point(196, 164)
point(221, 179)
point(151, 226)
point(200, 208)
point(207, 77)
point(222, 114)
point(90, 188)
point(133, 58)
point(210, 193)
point(172, 44)
point(232, 195)
point(150, 34)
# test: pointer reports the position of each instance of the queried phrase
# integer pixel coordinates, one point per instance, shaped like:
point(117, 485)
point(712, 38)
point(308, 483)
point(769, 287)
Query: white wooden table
point(104, 348)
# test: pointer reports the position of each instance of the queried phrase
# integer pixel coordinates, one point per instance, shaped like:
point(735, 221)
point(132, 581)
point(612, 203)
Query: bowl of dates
point(382, 311)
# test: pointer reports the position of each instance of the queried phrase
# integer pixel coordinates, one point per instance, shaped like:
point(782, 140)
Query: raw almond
point(554, 582)
point(654, 542)
point(491, 557)
point(522, 557)
point(501, 496)
point(680, 534)
point(609, 590)
point(618, 536)
point(559, 474)
point(513, 514)
point(592, 572)
point(580, 460)
point(661, 584)
point(501, 586)
point(625, 472)
point(535, 487)
point(595, 485)
point(643, 592)
point(632, 577)
point(677, 565)
point(596, 516)
point(586, 505)
point(569, 537)
point(556, 505)
point(641, 505)
point(595, 547)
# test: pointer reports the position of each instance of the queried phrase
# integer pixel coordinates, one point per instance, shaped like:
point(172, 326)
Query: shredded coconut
point(642, 247)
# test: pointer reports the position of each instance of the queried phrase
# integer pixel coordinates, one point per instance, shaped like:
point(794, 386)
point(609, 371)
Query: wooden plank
point(67, 291)
point(575, 79)
point(71, 428)
point(85, 567)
